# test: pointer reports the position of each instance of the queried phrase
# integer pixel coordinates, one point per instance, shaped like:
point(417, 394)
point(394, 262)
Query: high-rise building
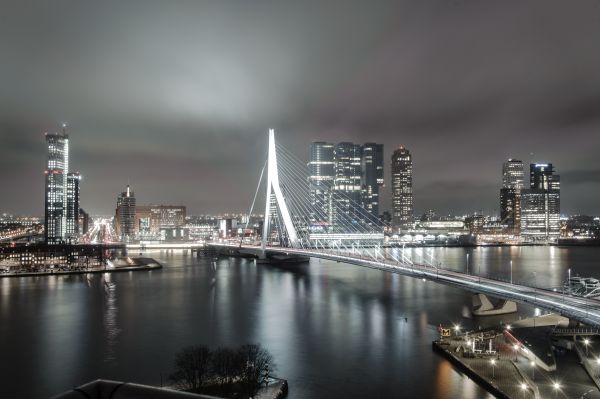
point(540, 205)
point(57, 169)
point(125, 215)
point(402, 193)
point(372, 177)
point(73, 180)
point(321, 180)
point(346, 196)
point(510, 193)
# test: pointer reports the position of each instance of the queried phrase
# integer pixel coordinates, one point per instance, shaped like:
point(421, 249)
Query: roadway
point(584, 310)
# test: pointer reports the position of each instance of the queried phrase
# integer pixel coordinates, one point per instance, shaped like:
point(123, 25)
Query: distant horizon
point(489, 210)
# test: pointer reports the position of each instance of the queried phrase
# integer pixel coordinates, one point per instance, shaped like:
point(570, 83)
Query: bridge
point(295, 225)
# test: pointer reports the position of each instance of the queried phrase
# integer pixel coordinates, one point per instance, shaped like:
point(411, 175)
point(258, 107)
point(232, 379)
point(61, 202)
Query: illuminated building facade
point(540, 205)
point(150, 219)
point(347, 188)
point(372, 177)
point(342, 178)
point(125, 215)
point(73, 180)
point(510, 194)
point(57, 169)
point(321, 178)
point(402, 192)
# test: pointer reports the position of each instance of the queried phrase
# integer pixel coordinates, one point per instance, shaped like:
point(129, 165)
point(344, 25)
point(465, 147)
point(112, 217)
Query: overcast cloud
point(175, 97)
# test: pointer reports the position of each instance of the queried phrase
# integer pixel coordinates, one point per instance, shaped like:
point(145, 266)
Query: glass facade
point(510, 194)
point(125, 215)
point(372, 176)
point(56, 187)
point(347, 186)
point(540, 205)
point(73, 180)
point(402, 193)
point(322, 175)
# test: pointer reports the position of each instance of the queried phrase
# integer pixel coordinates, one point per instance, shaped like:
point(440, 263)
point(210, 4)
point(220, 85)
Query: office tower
point(73, 180)
point(402, 194)
point(510, 194)
point(540, 205)
point(346, 196)
point(57, 169)
point(372, 177)
point(321, 180)
point(125, 215)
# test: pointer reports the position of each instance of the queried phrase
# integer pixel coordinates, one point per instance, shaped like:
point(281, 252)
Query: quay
point(130, 265)
point(527, 364)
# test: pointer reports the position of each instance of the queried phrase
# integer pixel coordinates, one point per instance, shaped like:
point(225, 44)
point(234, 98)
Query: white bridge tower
point(273, 187)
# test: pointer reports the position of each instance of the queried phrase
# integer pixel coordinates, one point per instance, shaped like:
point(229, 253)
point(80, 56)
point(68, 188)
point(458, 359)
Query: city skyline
point(200, 117)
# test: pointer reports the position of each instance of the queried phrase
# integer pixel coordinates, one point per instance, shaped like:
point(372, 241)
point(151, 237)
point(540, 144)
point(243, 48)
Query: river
point(335, 330)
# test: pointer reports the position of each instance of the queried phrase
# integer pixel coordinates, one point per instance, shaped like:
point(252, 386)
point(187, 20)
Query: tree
point(192, 366)
point(226, 366)
point(257, 362)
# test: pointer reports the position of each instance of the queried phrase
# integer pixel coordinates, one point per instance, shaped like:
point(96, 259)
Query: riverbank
point(131, 265)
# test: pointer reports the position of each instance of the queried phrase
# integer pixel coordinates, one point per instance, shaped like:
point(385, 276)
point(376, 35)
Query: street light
point(533, 370)
point(556, 387)
point(586, 342)
point(457, 328)
point(516, 348)
point(511, 271)
point(523, 388)
point(493, 362)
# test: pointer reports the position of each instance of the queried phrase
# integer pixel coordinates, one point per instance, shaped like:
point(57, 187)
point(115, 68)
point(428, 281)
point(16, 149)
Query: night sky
point(176, 97)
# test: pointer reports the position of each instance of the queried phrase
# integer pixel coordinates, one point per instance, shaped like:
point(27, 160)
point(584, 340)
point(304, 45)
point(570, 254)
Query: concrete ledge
point(493, 389)
point(107, 389)
point(145, 266)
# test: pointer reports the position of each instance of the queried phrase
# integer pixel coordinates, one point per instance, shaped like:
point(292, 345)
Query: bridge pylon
point(274, 188)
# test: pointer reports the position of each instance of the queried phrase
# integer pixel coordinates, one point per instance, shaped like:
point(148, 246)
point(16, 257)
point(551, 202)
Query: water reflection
point(110, 321)
point(335, 330)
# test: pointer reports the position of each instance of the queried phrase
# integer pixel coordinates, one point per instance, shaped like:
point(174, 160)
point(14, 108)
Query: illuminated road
point(585, 310)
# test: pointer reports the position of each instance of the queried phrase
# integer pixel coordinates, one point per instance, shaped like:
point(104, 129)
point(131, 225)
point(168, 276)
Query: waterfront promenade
point(120, 265)
point(508, 373)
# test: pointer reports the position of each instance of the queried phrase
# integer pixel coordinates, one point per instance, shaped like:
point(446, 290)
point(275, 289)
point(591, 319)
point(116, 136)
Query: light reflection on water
point(335, 330)
point(110, 321)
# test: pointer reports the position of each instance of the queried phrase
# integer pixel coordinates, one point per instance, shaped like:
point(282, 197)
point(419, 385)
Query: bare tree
point(192, 366)
point(226, 366)
point(257, 362)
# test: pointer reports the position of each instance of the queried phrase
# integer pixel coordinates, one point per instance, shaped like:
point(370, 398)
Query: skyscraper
point(57, 169)
point(510, 194)
point(346, 196)
point(402, 194)
point(73, 180)
point(125, 215)
point(321, 180)
point(372, 177)
point(540, 204)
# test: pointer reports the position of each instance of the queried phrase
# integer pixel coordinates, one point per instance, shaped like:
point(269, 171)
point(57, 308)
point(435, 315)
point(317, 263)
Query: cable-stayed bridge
point(339, 228)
